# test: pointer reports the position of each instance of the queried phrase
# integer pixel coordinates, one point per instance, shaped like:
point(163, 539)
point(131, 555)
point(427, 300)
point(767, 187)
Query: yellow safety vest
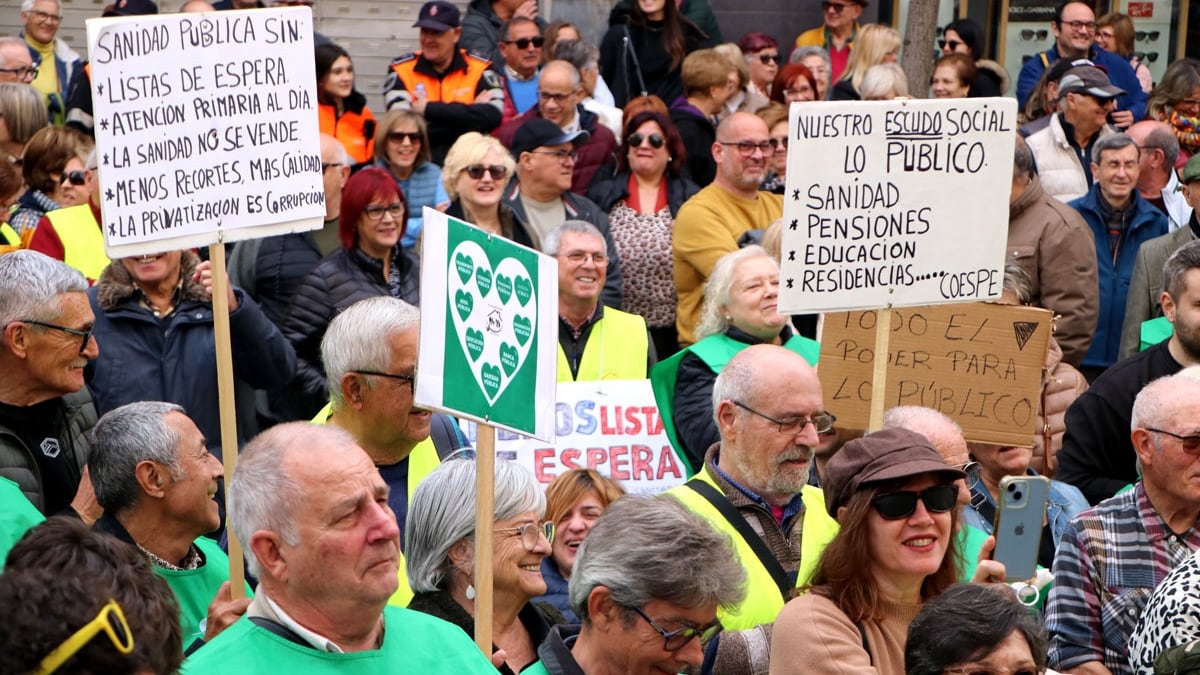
point(82, 240)
point(9, 236)
point(763, 599)
point(421, 462)
point(617, 349)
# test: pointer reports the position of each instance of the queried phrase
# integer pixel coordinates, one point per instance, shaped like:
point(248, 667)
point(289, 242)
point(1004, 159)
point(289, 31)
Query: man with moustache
point(768, 407)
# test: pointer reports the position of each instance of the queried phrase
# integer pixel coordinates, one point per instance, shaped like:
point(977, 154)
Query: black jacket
point(611, 186)
point(698, 134)
point(620, 69)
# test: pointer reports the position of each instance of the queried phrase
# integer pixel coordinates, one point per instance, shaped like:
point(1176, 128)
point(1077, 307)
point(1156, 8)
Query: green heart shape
point(524, 289)
point(523, 328)
point(483, 279)
point(474, 342)
point(508, 358)
point(504, 288)
point(464, 303)
point(465, 265)
point(491, 379)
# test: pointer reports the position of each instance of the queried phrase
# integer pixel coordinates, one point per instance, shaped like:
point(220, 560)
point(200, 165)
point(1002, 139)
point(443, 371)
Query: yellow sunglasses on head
point(109, 619)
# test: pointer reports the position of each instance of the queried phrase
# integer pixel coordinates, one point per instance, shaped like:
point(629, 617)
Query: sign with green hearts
point(489, 328)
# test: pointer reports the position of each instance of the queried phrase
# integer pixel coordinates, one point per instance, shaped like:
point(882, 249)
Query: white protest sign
point(206, 127)
point(612, 427)
point(896, 203)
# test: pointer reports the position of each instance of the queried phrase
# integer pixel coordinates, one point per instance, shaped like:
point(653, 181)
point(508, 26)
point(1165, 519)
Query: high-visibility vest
point(9, 236)
point(82, 240)
point(617, 349)
point(763, 597)
point(456, 86)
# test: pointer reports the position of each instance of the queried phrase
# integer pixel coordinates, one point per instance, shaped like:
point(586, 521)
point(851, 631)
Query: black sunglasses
point(952, 44)
point(768, 58)
point(476, 171)
point(76, 177)
point(401, 136)
point(902, 504)
point(656, 140)
point(523, 43)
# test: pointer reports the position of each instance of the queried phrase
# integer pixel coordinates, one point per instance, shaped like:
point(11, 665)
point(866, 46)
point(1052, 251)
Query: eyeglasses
point(902, 504)
point(84, 335)
point(822, 421)
point(992, 671)
point(677, 639)
point(375, 212)
point(580, 257)
point(476, 171)
point(401, 136)
point(1030, 34)
point(530, 533)
point(395, 376)
point(949, 44)
point(1190, 444)
point(1188, 103)
point(325, 167)
point(523, 43)
point(76, 177)
point(25, 73)
point(110, 619)
point(1081, 26)
point(656, 140)
point(557, 98)
point(45, 16)
point(747, 148)
point(837, 7)
point(781, 144)
point(967, 467)
point(768, 58)
point(563, 155)
point(798, 93)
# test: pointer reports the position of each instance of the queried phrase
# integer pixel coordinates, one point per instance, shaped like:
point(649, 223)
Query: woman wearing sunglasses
point(965, 36)
point(477, 170)
point(342, 109)
point(642, 198)
point(975, 629)
point(402, 149)
point(762, 60)
point(53, 167)
point(896, 501)
point(439, 550)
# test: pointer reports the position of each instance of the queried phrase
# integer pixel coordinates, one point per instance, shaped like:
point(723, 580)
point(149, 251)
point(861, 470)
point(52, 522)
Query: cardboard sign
point(489, 328)
point(979, 363)
point(612, 427)
point(206, 127)
point(896, 203)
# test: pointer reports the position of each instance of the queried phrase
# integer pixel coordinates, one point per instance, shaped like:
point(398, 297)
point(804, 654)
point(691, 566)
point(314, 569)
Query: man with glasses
point(45, 410)
point(1074, 28)
point(1157, 181)
point(521, 44)
point(712, 222)
point(638, 615)
point(769, 409)
point(836, 34)
point(1112, 556)
point(541, 199)
point(16, 63)
point(483, 27)
point(594, 342)
point(560, 95)
point(42, 19)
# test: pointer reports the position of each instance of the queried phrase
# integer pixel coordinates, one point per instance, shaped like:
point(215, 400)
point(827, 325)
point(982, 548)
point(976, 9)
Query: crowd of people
point(652, 167)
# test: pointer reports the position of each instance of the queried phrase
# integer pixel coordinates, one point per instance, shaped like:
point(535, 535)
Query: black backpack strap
point(279, 629)
point(735, 518)
point(862, 632)
point(447, 436)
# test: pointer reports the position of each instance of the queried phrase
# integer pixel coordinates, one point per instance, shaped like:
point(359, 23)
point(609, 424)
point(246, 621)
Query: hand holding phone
point(1019, 522)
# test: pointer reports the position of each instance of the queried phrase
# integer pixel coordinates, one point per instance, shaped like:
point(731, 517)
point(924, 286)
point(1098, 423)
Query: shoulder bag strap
point(735, 518)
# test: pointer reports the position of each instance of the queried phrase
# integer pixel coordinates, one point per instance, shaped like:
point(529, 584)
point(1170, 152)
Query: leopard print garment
point(644, 243)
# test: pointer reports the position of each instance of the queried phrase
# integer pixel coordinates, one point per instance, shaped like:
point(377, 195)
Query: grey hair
point(552, 241)
point(442, 513)
point(735, 382)
point(357, 339)
point(572, 71)
point(883, 78)
point(1186, 257)
point(11, 41)
point(1110, 142)
point(340, 156)
point(1153, 403)
point(261, 495)
point(1017, 281)
point(716, 289)
point(30, 283)
point(1162, 138)
point(27, 5)
point(579, 53)
point(1023, 164)
point(125, 437)
point(654, 548)
point(801, 53)
point(943, 433)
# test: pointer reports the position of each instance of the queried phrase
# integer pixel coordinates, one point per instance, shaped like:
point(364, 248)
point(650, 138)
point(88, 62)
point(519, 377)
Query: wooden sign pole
point(485, 519)
point(883, 330)
point(229, 442)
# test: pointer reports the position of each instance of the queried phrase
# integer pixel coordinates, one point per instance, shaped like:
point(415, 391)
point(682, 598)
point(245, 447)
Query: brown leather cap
point(881, 456)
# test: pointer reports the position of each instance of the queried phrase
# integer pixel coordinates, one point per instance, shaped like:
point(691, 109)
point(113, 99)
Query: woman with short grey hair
point(440, 556)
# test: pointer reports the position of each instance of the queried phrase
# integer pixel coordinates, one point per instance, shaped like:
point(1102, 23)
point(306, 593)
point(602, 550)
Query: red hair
point(363, 188)
point(786, 76)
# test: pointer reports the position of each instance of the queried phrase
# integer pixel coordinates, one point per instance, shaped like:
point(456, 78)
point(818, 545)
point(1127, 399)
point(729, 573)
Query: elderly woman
point(402, 149)
point(740, 309)
point(884, 82)
point(22, 114)
point(709, 82)
point(953, 76)
point(642, 199)
point(876, 44)
point(896, 501)
point(975, 628)
point(816, 59)
point(371, 262)
point(794, 83)
point(439, 541)
point(341, 109)
point(54, 170)
point(761, 52)
point(477, 170)
point(1176, 101)
point(574, 500)
point(648, 584)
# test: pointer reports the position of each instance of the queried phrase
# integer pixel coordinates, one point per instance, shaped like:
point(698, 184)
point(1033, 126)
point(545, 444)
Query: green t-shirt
point(17, 516)
point(413, 642)
point(195, 589)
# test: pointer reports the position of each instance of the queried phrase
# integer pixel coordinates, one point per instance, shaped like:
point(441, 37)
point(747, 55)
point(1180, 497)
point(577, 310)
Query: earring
point(470, 592)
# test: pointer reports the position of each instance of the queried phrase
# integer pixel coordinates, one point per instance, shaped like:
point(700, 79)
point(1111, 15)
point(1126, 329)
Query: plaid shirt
point(1109, 561)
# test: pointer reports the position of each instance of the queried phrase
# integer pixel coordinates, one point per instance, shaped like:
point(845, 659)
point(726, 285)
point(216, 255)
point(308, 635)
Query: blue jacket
point(1146, 223)
point(1119, 73)
point(423, 188)
point(556, 590)
point(1066, 502)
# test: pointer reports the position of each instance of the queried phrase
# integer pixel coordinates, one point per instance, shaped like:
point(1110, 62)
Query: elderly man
point(16, 64)
point(45, 411)
point(1052, 243)
point(1086, 97)
point(618, 590)
point(57, 61)
point(769, 410)
point(836, 34)
point(1097, 455)
point(1121, 221)
point(1157, 182)
point(559, 100)
point(594, 342)
point(483, 26)
point(585, 56)
point(710, 223)
point(156, 479)
point(1074, 29)
point(541, 199)
point(73, 234)
point(1146, 284)
point(521, 44)
point(1112, 556)
point(312, 511)
point(457, 92)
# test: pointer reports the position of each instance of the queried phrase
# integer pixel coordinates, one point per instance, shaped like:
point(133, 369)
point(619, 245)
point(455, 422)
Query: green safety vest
point(617, 349)
point(715, 351)
point(82, 240)
point(1155, 331)
point(194, 589)
point(763, 598)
